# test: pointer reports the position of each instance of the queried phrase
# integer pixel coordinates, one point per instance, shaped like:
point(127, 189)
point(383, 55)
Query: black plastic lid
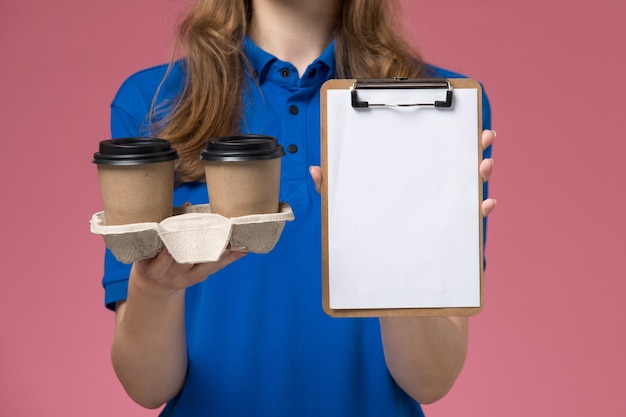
point(244, 147)
point(134, 151)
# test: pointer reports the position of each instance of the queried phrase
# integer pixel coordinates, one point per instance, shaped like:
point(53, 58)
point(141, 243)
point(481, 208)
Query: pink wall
point(550, 339)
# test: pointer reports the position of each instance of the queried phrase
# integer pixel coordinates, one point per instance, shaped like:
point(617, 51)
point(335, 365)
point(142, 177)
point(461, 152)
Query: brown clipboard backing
point(345, 84)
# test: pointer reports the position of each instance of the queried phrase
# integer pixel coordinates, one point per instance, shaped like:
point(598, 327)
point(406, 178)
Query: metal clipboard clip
point(399, 82)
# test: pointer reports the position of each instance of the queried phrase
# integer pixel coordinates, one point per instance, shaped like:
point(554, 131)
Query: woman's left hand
point(485, 169)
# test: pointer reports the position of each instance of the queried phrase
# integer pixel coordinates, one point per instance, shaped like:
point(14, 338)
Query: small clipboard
point(402, 228)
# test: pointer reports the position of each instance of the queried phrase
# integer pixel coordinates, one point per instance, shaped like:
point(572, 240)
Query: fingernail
point(494, 133)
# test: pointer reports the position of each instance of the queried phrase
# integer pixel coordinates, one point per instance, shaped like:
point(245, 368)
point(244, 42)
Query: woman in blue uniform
point(246, 335)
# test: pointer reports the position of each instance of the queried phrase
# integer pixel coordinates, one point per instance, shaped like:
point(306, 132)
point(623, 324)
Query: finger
point(488, 206)
point(486, 168)
point(228, 258)
point(316, 175)
point(488, 137)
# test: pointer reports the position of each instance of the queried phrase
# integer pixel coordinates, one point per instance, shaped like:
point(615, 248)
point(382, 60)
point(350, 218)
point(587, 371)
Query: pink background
point(550, 339)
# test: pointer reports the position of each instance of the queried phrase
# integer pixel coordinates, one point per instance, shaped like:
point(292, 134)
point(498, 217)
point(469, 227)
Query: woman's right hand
point(164, 272)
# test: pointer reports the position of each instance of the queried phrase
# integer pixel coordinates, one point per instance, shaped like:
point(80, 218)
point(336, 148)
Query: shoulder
point(440, 72)
point(138, 90)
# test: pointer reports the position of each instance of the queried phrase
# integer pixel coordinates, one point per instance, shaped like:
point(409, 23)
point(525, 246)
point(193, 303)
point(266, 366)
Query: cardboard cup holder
point(193, 234)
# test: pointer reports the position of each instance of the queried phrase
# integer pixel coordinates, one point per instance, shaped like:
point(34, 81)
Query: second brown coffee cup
point(243, 174)
point(136, 179)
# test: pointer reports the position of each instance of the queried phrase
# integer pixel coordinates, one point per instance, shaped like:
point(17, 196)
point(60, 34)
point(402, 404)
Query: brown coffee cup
point(136, 179)
point(243, 174)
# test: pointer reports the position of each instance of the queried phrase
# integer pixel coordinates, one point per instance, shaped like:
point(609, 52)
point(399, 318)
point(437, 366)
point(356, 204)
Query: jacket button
point(292, 148)
point(294, 109)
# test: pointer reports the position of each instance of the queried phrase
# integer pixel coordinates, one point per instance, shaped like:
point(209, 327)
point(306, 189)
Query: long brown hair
point(211, 38)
